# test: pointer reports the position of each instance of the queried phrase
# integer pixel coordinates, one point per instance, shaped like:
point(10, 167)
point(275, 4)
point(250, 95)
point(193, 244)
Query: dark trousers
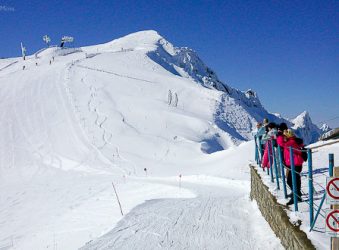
point(297, 177)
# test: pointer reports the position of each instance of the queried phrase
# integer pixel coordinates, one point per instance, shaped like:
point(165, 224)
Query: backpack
point(304, 153)
point(302, 148)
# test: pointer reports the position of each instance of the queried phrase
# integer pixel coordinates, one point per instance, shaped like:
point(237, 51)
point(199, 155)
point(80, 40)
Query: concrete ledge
point(290, 235)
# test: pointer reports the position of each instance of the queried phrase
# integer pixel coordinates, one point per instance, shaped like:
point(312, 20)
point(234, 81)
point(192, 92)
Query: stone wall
point(290, 235)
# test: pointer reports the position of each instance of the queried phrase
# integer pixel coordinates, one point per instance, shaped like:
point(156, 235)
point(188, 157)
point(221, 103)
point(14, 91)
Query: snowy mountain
point(245, 107)
point(74, 120)
point(305, 129)
point(325, 128)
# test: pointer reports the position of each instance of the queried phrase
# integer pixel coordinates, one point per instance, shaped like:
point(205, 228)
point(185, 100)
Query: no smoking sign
point(332, 189)
point(332, 223)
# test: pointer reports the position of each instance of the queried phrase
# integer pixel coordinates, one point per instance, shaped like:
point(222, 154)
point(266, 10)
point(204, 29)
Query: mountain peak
point(302, 120)
point(304, 114)
point(325, 128)
point(149, 35)
point(305, 128)
point(146, 39)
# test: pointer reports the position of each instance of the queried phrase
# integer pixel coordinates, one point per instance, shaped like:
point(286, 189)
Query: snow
point(220, 217)
point(305, 129)
point(77, 119)
point(325, 128)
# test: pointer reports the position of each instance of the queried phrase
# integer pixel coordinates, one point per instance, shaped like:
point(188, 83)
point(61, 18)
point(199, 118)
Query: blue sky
point(287, 51)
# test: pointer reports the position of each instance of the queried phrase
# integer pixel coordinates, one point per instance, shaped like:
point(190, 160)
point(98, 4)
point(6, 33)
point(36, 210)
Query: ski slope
point(220, 217)
point(75, 120)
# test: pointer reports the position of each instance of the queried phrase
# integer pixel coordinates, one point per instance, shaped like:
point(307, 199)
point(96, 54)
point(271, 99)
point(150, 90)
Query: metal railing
point(276, 165)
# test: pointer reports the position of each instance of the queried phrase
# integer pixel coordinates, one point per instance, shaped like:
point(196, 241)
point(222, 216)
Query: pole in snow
point(23, 52)
point(116, 195)
point(46, 39)
point(180, 180)
point(145, 169)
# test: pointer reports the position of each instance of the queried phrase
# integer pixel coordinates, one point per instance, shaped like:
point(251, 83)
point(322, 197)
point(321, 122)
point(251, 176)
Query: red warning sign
point(332, 222)
point(332, 189)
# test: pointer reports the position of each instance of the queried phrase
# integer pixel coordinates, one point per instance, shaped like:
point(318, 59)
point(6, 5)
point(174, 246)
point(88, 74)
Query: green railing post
point(330, 171)
point(269, 143)
point(275, 167)
point(258, 145)
point(310, 184)
point(330, 164)
point(318, 212)
point(256, 149)
point(261, 153)
point(268, 169)
point(282, 171)
point(294, 181)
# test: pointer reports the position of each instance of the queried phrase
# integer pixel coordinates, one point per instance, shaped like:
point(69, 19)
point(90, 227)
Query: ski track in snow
point(113, 73)
point(94, 106)
point(101, 118)
point(220, 217)
point(8, 65)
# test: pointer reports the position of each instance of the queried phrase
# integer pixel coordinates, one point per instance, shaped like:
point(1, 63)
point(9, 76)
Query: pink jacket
point(265, 159)
point(297, 158)
point(280, 140)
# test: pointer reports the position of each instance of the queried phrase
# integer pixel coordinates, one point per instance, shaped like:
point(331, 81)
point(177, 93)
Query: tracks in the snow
point(116, 74)
point(217, 219)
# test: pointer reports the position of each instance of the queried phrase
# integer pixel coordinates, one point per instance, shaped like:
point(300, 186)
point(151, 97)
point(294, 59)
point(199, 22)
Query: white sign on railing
point(332, 189)
point(332, 223)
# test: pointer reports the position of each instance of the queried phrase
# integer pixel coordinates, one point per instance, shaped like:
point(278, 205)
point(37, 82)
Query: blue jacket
point(261, 131)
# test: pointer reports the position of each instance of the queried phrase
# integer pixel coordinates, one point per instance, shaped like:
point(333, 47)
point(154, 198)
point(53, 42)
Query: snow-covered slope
point(236, 111)
point(74, 120)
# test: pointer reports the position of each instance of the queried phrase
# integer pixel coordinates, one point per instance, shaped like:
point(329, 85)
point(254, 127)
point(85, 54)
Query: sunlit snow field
point(76, 121)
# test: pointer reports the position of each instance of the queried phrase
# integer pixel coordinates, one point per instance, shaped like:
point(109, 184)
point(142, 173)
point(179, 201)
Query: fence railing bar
point(313, 177)
point(275, 167)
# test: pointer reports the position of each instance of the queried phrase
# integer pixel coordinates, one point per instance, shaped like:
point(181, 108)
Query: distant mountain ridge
point(186, 63)
point(305, 128)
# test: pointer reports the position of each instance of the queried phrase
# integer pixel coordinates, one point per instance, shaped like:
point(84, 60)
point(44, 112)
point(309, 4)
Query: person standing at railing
point(281, 138)
point(296, 144)
point(265, 122)
point(260, 132)
point(280, 135)
point(267, 135)
point(269, 138)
